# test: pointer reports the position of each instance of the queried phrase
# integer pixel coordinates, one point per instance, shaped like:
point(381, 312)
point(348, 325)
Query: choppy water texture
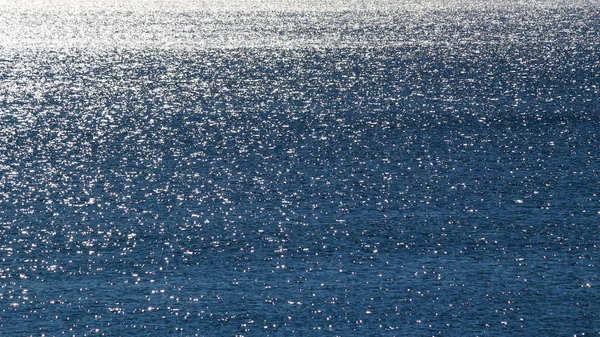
point(408, 172)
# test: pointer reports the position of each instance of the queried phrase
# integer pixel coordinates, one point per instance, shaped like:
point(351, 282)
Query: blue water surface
point(397, 174)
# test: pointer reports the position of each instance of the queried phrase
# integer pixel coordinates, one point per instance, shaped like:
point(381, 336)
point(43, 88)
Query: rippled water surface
point(407, 172)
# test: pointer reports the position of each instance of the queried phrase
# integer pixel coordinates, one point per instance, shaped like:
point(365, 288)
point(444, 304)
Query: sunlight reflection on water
point(277, 173)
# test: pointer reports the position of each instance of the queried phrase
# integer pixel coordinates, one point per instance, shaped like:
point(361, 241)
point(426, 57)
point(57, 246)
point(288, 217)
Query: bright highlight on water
point(345, 168)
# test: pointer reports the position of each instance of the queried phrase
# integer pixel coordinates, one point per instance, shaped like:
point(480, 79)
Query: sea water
point(421, 171)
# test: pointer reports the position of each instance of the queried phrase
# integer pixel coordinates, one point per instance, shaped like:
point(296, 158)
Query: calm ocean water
point(406, 172)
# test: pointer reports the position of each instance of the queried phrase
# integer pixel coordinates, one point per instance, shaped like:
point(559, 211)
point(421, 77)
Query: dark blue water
point(396, 174)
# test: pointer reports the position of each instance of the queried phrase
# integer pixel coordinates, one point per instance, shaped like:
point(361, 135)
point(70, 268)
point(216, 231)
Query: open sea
point(323, 169)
